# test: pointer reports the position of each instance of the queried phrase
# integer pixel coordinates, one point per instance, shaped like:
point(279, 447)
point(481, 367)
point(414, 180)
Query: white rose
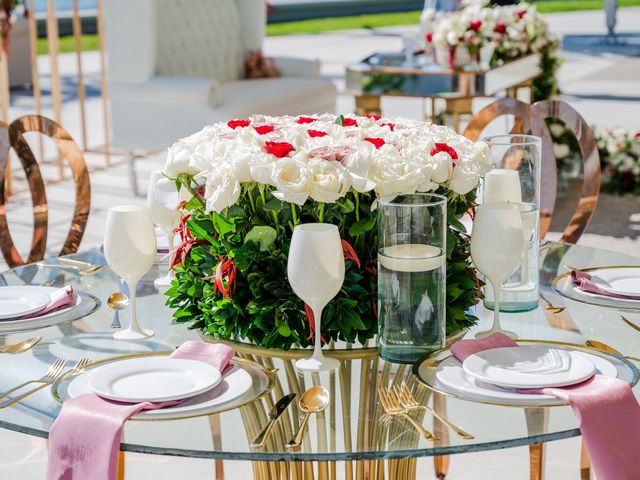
point(442, 165)
point(222, 188)
point(452, 38)
point(464, 179)
point(396, 175)
point(481, 156)
point(261, 169)
point(359, 163)
point(291, 178)
point(329, 180)
point(179, 160)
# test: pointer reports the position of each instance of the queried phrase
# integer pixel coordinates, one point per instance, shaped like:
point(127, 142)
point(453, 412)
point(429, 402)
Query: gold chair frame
point(12, 136)
point(530, 119)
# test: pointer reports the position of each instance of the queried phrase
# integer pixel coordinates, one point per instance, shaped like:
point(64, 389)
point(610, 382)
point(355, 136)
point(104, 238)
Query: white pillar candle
point(501, 186)
point(411, 257)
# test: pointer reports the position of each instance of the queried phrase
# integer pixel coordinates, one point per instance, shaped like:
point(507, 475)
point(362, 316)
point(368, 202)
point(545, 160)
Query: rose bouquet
point(620, 157)
point(250, 182)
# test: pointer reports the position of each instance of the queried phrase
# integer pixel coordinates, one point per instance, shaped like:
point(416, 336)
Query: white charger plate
point(443, 373)
point(149, 379)
point(17, 301)
point(244, 383)
point(529, 366)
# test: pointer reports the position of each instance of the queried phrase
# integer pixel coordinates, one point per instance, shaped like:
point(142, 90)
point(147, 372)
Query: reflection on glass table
point(353, 427)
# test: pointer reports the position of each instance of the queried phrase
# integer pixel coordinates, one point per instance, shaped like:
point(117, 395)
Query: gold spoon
point(21, 347)
point(117, 301)
point(606, 348)
point(314, 400)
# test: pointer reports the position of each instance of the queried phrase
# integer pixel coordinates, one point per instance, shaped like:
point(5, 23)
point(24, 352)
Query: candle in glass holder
point(502, 185)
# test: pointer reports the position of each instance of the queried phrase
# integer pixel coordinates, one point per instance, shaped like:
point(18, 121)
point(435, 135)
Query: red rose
point(302, 120)
point(238, 123)
point(278, 149)
point(501, 27)
point(377, 142)
point(349, 122)
point(390, 125)
point(443, 147)
point(521, 13)
point(316, 133)
point(375, 117)
point(263, 129)
point(475, 25)
point(429, 37)
point(637, 135)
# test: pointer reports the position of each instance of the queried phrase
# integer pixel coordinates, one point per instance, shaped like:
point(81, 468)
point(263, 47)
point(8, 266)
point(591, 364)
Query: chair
point(177, 65)
point(12, 136)
point(530, 119)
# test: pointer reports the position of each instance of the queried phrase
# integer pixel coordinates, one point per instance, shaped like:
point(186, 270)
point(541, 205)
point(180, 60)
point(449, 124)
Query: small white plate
point(529, 366)
point(240, 385)
point(15, 302)
point(153, 379)
point(623, 281)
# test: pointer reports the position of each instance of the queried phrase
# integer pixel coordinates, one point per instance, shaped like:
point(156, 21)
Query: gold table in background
point(348, 440)
point(383, 74)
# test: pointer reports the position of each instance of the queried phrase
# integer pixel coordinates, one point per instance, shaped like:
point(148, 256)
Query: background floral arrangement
point(620, 160)
point(251, 181)
point(501, 33)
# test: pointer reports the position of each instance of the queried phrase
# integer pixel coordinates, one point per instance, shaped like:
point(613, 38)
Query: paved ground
point(600, 80)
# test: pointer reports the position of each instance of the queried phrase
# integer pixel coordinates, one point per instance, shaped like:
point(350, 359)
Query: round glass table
point(353, 429)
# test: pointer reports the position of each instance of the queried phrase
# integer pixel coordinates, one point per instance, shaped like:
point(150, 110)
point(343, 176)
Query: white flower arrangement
point(324, 157)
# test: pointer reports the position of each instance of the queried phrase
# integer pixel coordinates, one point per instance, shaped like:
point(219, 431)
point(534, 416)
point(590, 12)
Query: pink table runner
point(84, 441)
point(606, 409)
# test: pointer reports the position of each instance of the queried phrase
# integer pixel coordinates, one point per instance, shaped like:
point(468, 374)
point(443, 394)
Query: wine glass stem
point(497, 291)
point(132, 301)
point(317, 347)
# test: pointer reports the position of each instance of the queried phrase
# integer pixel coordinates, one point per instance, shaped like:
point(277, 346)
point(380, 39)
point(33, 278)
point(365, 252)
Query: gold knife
point(277, 410)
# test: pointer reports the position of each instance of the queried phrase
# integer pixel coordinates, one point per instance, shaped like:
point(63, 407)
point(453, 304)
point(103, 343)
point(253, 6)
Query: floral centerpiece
point(489, 36)
point(251, 181)
point(620, 157)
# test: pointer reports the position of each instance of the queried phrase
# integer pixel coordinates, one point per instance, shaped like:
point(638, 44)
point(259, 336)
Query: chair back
point(531, 119)
point(12, 136)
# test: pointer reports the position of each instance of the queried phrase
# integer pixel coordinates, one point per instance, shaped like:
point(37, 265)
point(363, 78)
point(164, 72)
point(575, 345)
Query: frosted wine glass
point(162, 200)
point(315, 269)
point(496, 250)
point(130, 251)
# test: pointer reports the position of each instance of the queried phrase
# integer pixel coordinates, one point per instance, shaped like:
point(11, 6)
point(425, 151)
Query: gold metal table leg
point(537, 420)
point(441, 463)
point(585, 463)
point(120, 474)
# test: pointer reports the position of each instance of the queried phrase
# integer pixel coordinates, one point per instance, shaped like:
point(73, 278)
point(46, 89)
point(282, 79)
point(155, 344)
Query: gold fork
point(82, 364)
point(630, 323)
point(392, 407)
point(49, 377)
point(408, 401)
point(550, 306)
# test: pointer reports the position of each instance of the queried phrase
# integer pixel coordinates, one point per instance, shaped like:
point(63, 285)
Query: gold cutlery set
point(54, 373)
point(396, 401)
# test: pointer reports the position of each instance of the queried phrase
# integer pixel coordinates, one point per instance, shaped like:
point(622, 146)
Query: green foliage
point(545, 86)
point(256, 234)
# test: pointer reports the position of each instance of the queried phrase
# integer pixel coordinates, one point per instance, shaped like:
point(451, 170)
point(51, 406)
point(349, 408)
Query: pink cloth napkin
point(61, 298)
point(606, 409)
point(84, 441)
point(582, 281)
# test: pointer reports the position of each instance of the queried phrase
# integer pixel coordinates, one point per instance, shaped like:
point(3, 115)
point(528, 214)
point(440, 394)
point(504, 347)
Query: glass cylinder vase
point(516, 179)
point(411, 276)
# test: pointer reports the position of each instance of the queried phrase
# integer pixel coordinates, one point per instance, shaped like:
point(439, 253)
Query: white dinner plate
point(565, 287)
point(443, 373)
point(244, 383)
point(529, 366)
point(16, 302)
point(151, 379)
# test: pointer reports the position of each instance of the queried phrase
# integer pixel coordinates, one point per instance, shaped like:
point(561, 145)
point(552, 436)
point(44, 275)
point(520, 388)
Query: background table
point(350, 431)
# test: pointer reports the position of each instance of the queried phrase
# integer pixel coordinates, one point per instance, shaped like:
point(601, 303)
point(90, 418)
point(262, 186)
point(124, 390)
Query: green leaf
point(362, 226)
point(340, 120)
point(221, 224)
point(264, 236)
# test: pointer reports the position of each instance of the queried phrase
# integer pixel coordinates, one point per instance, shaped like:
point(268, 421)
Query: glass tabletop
point(353, 427)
